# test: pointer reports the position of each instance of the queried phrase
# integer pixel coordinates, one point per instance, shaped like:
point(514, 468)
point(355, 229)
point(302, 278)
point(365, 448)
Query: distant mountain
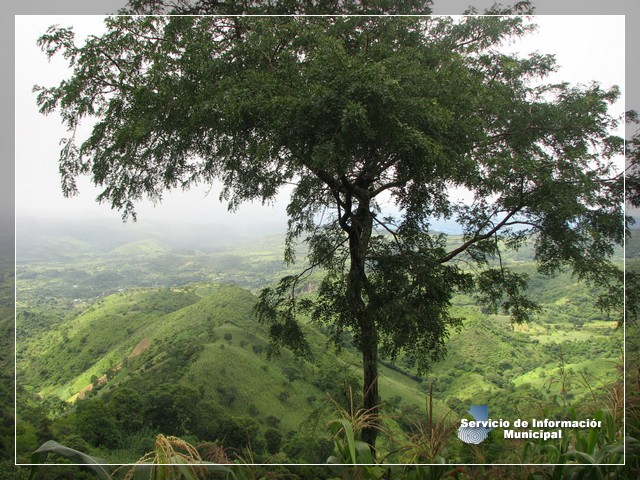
point(38, 238)
point(59, 239)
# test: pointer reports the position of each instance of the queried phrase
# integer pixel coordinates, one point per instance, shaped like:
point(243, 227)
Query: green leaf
point(53, 447)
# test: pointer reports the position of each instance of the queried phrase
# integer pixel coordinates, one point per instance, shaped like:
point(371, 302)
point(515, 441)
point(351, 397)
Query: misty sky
point(586, 47)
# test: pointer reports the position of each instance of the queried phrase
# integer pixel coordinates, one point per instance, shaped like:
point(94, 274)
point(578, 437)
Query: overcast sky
point(586, 47)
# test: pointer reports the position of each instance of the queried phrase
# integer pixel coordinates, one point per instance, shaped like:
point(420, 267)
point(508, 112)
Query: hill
point(172, 332)
point(202, 337)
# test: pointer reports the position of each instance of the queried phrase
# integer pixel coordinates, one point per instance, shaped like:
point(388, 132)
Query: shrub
point(96, 423)
point(273, 439)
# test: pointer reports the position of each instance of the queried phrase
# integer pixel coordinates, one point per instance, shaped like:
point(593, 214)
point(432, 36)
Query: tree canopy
point(377, 121)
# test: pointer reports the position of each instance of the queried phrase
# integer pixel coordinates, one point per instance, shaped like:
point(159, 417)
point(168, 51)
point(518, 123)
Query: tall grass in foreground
point(595, 454)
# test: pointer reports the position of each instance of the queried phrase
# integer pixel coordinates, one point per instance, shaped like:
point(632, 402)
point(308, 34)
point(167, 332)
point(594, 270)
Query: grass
point(600, 368)
point(258, 387)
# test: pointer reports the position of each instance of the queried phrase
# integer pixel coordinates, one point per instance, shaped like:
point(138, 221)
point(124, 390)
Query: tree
point(357, 113)
point(169, 408)
point(280, 7)
point(128, 409)
point(96, 423)
point(632, 197)
point(273, 440)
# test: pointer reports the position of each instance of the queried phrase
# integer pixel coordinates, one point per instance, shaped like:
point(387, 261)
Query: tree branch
point(477, 238)
point(387, 186)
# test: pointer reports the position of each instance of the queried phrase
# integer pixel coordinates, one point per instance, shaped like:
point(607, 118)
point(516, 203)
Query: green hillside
point(202, 337)
point(169, 334)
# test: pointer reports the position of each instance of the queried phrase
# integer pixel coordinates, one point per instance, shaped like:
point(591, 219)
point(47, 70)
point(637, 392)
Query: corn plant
point(171, 459)
point(594, 455)
point(350, 451)
point(428, 440)
point(52, 447)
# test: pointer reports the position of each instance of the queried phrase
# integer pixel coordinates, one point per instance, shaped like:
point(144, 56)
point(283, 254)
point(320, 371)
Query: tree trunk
point(370, 401)
point(359, 236)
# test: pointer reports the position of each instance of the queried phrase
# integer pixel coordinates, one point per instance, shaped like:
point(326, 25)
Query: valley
point(108, 326)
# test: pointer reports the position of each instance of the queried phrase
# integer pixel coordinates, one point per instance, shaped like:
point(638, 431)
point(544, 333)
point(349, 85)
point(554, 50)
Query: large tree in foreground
point(380, 123)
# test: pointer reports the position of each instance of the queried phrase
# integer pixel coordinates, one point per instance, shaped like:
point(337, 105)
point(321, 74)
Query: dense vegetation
point(188, 359)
